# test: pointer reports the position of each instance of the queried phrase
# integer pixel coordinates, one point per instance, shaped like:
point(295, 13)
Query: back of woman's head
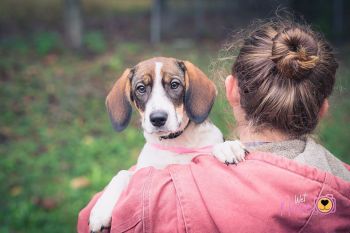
point(285, 71)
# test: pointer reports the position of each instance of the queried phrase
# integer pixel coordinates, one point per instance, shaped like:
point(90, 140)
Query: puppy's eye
point(141, 88)
point(174, 84)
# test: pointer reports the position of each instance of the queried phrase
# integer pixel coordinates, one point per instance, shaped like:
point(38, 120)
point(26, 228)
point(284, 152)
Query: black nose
point(158, 118)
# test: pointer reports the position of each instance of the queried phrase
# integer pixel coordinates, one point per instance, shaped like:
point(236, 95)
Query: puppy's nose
point(158, 118)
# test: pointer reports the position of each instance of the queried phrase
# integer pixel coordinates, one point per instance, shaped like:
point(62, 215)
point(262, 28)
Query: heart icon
point(324, 202)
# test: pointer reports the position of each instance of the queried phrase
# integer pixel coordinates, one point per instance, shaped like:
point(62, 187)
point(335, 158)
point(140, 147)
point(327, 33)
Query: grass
point(57, 146)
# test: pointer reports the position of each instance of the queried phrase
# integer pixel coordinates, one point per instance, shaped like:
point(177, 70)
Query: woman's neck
point(250, 134)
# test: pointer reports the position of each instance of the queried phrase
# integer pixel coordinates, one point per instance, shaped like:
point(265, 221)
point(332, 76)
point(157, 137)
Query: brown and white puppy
point(174, 99)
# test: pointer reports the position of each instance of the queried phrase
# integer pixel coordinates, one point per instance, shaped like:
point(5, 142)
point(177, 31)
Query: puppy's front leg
point(101, 213)
point(230, 152)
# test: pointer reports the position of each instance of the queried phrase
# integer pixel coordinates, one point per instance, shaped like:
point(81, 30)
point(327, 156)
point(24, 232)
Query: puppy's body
point(195, 136)
point(174, 99)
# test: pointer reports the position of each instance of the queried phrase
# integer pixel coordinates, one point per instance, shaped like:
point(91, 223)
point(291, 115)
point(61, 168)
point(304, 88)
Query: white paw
point(100, 216)
point(230, 152)
point(101, 213)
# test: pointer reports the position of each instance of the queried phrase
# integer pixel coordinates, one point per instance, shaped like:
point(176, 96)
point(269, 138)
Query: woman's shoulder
point(270, 189)
point(307, 151)
point(318, 156)
point(260, 194)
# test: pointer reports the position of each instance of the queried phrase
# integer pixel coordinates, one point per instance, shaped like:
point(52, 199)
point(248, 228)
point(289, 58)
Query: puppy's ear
point(200, 92)
point(118, 101)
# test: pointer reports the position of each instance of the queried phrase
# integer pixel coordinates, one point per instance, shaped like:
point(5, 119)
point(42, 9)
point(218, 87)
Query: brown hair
point(285, 71)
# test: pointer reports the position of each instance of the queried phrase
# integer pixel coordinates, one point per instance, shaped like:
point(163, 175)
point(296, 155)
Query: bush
point(46, 42)
point(95, 42)
point(15, 45)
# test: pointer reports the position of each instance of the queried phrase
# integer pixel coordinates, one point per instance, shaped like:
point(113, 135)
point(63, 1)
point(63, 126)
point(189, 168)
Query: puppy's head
point(166, 92)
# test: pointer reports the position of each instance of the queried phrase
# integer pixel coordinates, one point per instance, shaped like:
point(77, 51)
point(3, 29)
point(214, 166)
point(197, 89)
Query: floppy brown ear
point(118, 102)
point(200, 93)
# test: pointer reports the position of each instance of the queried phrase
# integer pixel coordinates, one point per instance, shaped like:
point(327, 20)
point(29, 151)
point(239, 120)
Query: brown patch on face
point(143, 77)
point(118, 102)
point(174, 87)
point(173, 82)
point(200, 93)
point(180, 111)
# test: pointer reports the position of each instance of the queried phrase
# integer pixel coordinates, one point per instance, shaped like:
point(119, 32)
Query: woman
point(278, 90)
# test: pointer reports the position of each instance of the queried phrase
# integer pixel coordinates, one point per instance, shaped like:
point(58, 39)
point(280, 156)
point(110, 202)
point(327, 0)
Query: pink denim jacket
point(266, 193)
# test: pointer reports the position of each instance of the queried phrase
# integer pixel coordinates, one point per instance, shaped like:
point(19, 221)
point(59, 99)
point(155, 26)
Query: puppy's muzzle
point(158, 118)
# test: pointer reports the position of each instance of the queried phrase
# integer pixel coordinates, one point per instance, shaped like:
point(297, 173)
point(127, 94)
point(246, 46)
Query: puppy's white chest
point(151, 156)
point(195, 136)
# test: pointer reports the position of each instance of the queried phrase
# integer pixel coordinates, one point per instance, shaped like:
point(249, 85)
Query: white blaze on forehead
point(158, 94)
point(159, 101)
point(158, 69)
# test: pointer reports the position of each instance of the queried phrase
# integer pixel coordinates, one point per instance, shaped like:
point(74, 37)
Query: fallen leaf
point(15, 191)
point(79, 182)
point(88, 140)
point(46, 203)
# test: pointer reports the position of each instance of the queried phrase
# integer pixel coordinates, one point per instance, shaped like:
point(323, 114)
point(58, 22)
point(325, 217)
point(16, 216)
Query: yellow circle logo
point(326, 204)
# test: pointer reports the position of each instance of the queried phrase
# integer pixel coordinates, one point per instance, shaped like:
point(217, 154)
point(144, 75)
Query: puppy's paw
point(100, 216)
point(230, 152)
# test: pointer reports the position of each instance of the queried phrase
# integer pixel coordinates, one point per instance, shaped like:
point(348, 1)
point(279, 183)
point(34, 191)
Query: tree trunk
point(73, 23)
point(199, 17)
point(156, 22)
point(338, 20)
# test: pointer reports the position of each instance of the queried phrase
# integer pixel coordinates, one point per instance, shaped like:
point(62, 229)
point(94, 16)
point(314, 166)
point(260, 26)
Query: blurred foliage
point(95, 42)
point(23, 11)
point(46, 42)
point(334, 130)
point(14, 44)
point(40, 43)
point(108, 8)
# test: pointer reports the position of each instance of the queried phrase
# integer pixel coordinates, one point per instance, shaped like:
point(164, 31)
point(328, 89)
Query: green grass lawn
point(57, 146)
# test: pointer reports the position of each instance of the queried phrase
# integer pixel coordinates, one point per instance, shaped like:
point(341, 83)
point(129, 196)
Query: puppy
point(174, 99)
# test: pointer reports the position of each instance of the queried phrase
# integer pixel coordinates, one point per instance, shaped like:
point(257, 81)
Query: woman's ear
point(232, 90)
point(324, 108)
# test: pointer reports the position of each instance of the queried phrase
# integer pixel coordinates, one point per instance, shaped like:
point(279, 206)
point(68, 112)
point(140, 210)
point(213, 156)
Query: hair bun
point(295, 53)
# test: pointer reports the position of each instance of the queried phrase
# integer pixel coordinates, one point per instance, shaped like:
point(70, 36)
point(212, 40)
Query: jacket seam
point(145, 203)
point(313, 210)
point(178, 196)
point(214, 223)
point(131, 223)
